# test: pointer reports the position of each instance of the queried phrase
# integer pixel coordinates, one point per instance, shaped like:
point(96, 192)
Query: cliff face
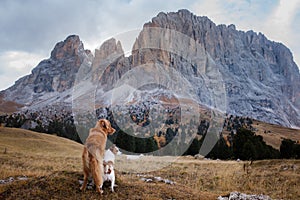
point(110, 63)
point(261, 79)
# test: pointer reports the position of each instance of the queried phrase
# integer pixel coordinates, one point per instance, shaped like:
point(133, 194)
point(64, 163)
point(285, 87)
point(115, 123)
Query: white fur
point(109, 177)
point(110, 156)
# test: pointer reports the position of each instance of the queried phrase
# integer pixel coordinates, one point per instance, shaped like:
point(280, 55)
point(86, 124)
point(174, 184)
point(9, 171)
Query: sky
point(29, 29)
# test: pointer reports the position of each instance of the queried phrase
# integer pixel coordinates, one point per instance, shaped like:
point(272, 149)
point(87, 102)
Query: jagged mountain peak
point(109, 47)
point(51, 77)
point(71, 46)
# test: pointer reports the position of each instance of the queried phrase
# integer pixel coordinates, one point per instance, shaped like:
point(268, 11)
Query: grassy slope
point(275, 133)
point(8, 106)
point(53, 166)
point(30, 153)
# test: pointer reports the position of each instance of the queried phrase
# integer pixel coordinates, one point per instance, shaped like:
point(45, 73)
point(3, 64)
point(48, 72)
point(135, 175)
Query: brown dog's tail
point(94, 161)
point(94, 151)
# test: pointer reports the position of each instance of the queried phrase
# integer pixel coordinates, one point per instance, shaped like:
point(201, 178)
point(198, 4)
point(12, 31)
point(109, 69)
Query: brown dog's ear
point(107, 124)
point(102, 123)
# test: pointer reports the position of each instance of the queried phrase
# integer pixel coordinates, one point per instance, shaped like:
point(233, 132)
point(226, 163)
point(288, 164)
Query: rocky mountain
point(51, 81)
point(259, 76)
point(261, 79)
point(241, 73)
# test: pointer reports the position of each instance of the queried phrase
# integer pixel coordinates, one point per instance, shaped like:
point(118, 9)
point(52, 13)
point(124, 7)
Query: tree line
point(244, 144)
point(248, 146)
point(60, 125)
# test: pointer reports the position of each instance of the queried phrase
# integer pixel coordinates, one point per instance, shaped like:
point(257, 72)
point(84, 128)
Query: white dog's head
point(108, 168)
point(115, 150)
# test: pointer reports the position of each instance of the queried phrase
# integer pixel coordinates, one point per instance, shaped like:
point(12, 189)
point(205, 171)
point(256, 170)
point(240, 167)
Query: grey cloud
point(35, 25)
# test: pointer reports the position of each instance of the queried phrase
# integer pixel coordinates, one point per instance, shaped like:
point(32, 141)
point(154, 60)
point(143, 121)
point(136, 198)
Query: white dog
point(110, 154)
point(108, 162)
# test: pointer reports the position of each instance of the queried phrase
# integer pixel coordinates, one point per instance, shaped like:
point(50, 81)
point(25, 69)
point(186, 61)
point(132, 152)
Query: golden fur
point(93, 152)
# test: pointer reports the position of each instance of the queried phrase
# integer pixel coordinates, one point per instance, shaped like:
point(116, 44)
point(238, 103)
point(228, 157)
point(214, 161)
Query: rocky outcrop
point(52, 77)
point(110, 64)
point(242, 196)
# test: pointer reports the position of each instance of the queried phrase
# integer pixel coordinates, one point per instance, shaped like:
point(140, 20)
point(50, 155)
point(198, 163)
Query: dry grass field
point(53, 168)
point(273, 134)
point(8, 106)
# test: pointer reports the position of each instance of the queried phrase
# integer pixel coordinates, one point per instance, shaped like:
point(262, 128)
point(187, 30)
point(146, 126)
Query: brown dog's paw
point(82, 189)
point(100, 191)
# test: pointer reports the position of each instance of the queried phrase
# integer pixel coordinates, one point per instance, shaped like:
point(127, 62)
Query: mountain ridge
point(261, 79)
point(241, 56)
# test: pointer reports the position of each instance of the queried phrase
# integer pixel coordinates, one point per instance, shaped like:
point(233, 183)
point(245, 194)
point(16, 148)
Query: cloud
point(281, 19)
point(32, 26)
point(14, 65)
point(36, 26)
point(122, 16)
point(282, 26)
point(246, 15)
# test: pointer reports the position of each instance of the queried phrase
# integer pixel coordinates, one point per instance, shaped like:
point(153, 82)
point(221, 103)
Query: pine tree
point(125, 141)
point(194, 147)
point(287, 148)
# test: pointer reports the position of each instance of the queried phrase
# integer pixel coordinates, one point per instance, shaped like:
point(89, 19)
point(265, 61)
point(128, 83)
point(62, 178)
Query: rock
point(241, 196)
point(134, 157)
point(68, 48)
point(109, 63)
point(150, 178)
point(90, 184)
point(147, 180)
point(167, 181)
point(199, 157)
point(157, 178)
point(22, 178)
point(89, 187)
point(12, 179)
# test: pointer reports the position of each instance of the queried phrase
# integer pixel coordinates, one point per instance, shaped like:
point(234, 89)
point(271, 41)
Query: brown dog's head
point(104, 125)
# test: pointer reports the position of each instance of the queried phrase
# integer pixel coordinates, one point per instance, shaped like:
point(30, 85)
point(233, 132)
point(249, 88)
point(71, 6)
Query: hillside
point(30, 153)
point(8, 106)
point(52, 169)
point(273, 134)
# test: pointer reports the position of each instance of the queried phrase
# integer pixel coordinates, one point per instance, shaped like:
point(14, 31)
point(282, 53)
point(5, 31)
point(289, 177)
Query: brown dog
point(93, 153)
